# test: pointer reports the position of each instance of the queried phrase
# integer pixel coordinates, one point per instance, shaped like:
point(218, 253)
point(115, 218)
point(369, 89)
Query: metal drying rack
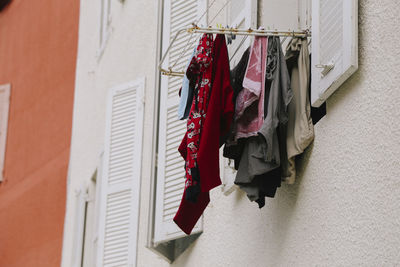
point(233, 31)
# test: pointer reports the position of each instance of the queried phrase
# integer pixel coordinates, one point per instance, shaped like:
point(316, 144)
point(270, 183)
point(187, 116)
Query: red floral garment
point(214, 128)
point(199, 71)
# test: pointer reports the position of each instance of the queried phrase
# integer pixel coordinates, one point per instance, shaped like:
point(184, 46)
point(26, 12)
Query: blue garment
point(185, 102)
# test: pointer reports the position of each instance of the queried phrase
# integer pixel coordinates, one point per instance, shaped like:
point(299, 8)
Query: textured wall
point(129, 55)
point(38, 46)
point(344, 209)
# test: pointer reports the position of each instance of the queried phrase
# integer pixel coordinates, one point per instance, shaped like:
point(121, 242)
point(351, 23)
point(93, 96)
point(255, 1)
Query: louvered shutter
point(334, 46)
point(119, 208)
point(242, 14)
point(170, 168)
point(4, 108)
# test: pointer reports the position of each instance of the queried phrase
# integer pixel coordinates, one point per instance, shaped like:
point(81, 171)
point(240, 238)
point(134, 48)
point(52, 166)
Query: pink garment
point(249, 111)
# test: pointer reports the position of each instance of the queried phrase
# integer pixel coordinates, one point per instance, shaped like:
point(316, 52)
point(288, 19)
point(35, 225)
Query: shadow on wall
point(286, 202)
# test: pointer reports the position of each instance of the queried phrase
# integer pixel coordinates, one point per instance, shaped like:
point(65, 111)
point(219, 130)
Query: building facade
point(122, 191)
point(38, 46)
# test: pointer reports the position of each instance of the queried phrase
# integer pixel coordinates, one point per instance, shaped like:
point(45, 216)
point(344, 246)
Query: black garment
point(316, 113)
point(237, 74)
point(233, 150)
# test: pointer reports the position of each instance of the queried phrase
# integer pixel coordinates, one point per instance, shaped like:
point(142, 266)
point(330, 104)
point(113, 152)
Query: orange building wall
point(38, 49)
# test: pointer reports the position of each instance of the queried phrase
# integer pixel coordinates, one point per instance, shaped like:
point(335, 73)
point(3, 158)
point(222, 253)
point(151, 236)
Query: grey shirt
point(257, 174)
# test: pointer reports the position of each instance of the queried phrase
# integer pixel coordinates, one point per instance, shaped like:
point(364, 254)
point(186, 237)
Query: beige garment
point(300, 129)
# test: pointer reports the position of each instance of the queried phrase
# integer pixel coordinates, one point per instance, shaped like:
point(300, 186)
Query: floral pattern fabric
point(199, 71)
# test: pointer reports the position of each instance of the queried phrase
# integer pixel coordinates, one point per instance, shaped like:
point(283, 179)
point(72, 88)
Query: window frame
point(104, 26)
point(5, 96)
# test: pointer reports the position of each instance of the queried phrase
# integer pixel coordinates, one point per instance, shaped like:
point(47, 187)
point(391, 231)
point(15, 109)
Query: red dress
point(201, 154)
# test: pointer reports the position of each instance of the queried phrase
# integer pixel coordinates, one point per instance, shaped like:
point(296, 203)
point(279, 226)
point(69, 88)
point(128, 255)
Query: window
point(334, 46)
point(120, 178)
point(85, 228)
point(4, 109)
point(170, 175)
point(167, 238)
point(80, 225)
point(334, 41)
point(331, 40)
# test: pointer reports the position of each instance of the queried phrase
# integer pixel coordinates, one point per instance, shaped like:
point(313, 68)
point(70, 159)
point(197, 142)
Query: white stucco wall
point(130, 54)
point(344, 209)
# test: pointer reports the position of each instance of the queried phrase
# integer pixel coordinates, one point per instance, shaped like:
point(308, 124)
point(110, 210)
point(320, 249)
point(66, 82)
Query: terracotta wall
point(38, 50)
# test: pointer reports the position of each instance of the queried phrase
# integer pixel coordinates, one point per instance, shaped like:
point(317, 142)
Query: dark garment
point(316, 113)
point(267, 185)
point(237, 74)
point(277, 97)
point(217, 124)
point(186, 94)
point(259, 179)
point(189, 101)
point(259, 174)
point(234, 149)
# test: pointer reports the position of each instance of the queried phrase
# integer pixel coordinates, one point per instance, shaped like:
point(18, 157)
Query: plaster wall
point(130, 54)
point(344, 209)
point(38, 46)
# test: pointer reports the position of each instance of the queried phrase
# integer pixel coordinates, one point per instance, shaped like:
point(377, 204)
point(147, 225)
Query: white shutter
point(170, 167)
point(334, 46)
point(242, 14)
point(119, 208)
point(4, 108)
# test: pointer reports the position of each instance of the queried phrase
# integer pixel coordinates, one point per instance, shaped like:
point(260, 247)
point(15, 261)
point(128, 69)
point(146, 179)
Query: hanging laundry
point(259, 174)
point(237, 74)
point(199, 71)
point(300, 129)
point(249, 110)
point(233, 148)
point(216, 111)
point(186, 94)
point(278, 95)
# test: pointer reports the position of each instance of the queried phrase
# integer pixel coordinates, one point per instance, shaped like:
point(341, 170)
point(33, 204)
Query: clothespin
point(234, 35)
point(231, 36)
